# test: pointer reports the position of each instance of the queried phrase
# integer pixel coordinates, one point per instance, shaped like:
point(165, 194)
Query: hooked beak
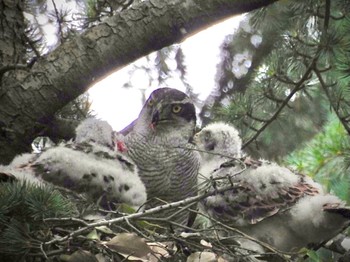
point(155, 118)
point(154, 121)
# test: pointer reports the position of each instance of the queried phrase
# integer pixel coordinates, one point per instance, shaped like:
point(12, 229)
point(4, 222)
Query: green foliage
point(22, 210)
point(26, 202)
point(278, 92)
point(286, 85)
point(298, 122)
point(322, 255)
point(95, 10)
point(312, 256)
point(325, 158)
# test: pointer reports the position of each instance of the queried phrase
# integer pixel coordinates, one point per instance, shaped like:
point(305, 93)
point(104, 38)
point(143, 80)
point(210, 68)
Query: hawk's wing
point(262, 191)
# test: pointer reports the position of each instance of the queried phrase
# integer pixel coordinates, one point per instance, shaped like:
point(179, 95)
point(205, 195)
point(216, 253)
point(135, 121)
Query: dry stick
point(261, 243)
point(70, 219)
point(140, 214)
point(168, 219)
point(137, 230)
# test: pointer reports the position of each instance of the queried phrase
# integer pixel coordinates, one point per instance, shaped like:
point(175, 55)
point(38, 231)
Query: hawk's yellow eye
point(150, 102)
point(176, 109)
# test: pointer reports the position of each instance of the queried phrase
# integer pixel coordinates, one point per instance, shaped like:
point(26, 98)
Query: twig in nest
point(139, 214)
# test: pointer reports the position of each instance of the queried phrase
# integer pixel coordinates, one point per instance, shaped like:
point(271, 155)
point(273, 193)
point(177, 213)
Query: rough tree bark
point(29, 96)
point(12, 56)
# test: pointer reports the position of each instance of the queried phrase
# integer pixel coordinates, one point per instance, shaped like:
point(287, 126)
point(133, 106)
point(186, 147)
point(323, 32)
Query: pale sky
point(120, 106)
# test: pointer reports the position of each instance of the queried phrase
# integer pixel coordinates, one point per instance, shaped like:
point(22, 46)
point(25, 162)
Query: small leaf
point(313, 255)
point(93, 235)
point(186, 235)
point(79, 256)
point(129, 244)
point(105, 230)
point(149, 226)
point(161, 250)
point(206, 244)
point(101, 257)
point(124, 208)
point(202, 257)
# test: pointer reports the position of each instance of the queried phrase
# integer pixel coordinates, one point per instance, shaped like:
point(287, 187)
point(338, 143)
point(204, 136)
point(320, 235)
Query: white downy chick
point(96, 131)
point(90, 167)
point(217, 143)
point(270, 202)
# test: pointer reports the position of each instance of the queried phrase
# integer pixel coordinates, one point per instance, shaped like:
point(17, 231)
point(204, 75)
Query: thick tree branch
point(29, 99)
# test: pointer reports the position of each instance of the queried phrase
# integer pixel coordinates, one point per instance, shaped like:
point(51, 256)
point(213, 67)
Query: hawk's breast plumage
point(159, 142)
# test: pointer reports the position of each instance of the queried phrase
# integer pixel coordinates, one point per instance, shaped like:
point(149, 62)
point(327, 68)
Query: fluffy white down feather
point(113, 176)
point(92, 168)
point(310, 221)
point(81, 172)
point(305, 224)
point(217, 142)
point(291, 227)
point(301, 222)
point(19, 170)
point(269, 178)
point(94, 130)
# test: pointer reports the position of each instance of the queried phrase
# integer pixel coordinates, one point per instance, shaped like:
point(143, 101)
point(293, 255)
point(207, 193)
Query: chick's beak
point(195, 139)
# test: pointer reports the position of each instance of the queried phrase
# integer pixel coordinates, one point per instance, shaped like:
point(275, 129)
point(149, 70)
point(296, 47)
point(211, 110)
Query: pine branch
point(33, 47)
point(299, 85)
point(59, 22)
point(284, 79)
point(69, 219)
point(270, 95)
point(327, 15)
point(256, 118)
point(331, 101)
point(302, 41)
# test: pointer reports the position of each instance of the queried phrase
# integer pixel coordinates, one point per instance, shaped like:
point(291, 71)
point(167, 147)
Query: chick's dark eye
point(176, 109)
point(207, 136)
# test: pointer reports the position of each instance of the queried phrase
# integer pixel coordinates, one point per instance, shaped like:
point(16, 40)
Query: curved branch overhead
point(269, 35)
point(29, 98)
